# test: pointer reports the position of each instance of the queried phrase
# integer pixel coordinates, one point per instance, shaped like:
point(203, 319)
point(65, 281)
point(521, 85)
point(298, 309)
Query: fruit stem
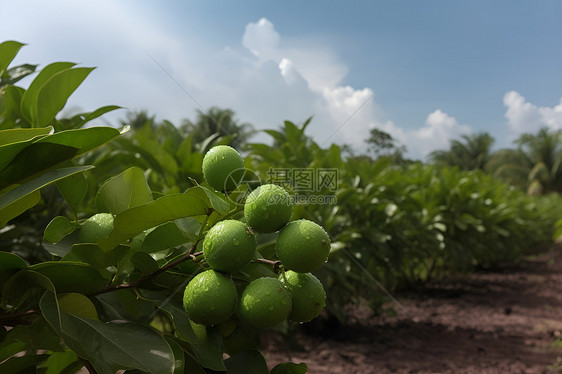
point(276, 264)
point(202, 229)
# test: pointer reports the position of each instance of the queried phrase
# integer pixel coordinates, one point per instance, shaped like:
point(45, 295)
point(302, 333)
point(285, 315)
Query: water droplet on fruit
point(236, 242)
point(308, 237)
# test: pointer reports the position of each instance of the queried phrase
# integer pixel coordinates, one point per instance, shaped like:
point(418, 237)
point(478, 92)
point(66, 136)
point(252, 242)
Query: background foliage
point(394, 223)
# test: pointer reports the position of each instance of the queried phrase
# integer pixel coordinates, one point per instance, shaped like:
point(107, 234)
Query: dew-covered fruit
point(309, 297)
point(268, 208)
point(96, 227)
point(229, 245)
point(265, 303)
point(210, 298)
point(303, 246)
point(223, 168)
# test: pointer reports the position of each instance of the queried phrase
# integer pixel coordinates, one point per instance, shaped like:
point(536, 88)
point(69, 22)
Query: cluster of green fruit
point(302, 246)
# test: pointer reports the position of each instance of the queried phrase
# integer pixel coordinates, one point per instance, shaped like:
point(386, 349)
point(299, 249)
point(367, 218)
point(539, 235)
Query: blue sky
point(424, 71)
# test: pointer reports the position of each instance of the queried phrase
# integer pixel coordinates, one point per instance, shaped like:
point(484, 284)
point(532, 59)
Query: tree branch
point(17, 318)
point(188, 256)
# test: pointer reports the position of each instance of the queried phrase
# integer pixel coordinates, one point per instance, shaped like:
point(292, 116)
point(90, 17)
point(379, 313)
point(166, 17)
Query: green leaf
point(290, 368)
point(9, 265)
point(179, 357)
point(58, 228)
point(8, 50)
point(110, 346)
point(11, 136)
point(17, 73)
point(25, 289)
point(94, 256)
point(73, 189)
point(33, 160)
point(17, 199)
point(58, 361)
point(11, 149)
point(77, 304)
point(22, 364)
point(10, 115)
point(83, 118)
point(126, 190)
point(205, 345)
point(163, 237)
point(37, 336)
point(244, 362)
point(69, 276)
point(53, 95)
point(167, 208)
point(17, 207)
point(28, 105)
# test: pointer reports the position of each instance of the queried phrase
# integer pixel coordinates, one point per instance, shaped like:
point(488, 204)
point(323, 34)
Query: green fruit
point(265, 303)
point(223, 168)
point(210, 298)
point(309, 297)
point(96, 227)
point(303, 246)
point(268, 208)
point(229, 245)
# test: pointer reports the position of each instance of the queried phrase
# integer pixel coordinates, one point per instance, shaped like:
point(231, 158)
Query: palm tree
point(534, 165)
point(473, 153)
point(217, 121)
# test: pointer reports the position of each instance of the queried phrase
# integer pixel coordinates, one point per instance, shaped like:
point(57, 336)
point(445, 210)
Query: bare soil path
point(505, 321)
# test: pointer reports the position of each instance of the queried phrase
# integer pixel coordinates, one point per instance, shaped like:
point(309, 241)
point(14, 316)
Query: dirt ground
point(506, 321)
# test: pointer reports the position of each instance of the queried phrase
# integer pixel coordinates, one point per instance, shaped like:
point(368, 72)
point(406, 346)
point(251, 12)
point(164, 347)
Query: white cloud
point(525, 117)
point(262, 39)
point(439, 129)
point(265, 78)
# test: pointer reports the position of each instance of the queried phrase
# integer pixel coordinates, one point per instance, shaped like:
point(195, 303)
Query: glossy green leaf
point(18, 206)
point(10, 115)
point(11, 149)
point(167, 208)
point(69, 276)
point(58, 228)
point(9, 265)
point(165, 236)
point(24, 289)
point(77, 304)
point(244, 362)
point(73, 189)
point(17, 73)
point(36, 336)
point(11, 136)
point(8, 50)
point(22, 364)
point(290, 368)
point(205, 344)
point(126, 190)
point(110, 346)
point(29, 99)
point(94, 256)
point(83, 118)
point(59, 361)
point(53, 95)
point(34, 160)
point(19, 196)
